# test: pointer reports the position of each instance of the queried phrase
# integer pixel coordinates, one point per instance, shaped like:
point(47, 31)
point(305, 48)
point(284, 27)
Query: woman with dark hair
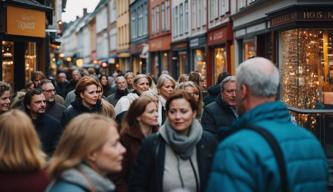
point(140, 122)
point(5, 97)
point(140, 84)
point(86, 101)
point(107, 89)
point(22, 160)
point(179, 155)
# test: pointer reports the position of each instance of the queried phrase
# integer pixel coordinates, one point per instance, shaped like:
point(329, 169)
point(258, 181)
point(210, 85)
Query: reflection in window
point(219, 62)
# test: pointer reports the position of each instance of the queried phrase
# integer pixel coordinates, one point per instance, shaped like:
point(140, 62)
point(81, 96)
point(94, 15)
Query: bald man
point(244, 161)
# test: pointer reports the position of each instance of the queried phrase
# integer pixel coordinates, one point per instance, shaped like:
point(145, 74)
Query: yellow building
point(123, 35)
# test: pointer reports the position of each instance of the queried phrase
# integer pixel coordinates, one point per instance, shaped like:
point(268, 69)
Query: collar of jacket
point(77, 104)
point(270, 111)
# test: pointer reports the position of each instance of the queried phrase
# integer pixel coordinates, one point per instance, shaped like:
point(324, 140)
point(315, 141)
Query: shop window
point(200, 63)
point(220, 61)
point(182, 62)
point(8, 61)
point(306, 65)
point(249, 49)
point(30, 59)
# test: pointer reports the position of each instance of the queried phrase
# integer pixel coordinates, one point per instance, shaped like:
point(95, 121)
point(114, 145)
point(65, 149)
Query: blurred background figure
point(165, 87)
point(62, 84)
point(140, 84)
point(107, 89)
point(121, 90)
point(88, 150)
point(5, 97)
point(139, 122)
point(194, 90)
point(179, 155)
point(214, 90)
point(129, 76)
point(37, 77)
point(182, 78)
point(22, 160)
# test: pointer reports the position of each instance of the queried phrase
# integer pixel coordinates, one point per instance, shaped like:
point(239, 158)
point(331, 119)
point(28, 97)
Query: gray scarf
point(182, 145)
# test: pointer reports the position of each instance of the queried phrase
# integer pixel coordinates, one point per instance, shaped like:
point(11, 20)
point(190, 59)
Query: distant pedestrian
point(165, 87)
point(37, 77)
point(244, 161)
point(214, 90)
point(53, 108)
point(22, 160)
point(107, 89)
point(5, 97)
point(88, 150)
point(194, 90)
point(129, 76)
point(121, 90)
point(62, 84)
point(179, 155)
point(140, 84)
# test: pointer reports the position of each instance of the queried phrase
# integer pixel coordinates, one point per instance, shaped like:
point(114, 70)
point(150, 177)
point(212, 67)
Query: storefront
point(220, 52)
point(198, 56)
point(305, 57)
point(159, 51)
point(23, 42)
point(139, 55)
point(123, 63)
point(180, 59)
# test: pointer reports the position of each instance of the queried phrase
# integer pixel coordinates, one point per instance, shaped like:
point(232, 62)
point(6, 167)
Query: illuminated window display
point(8, 61)
point(306, 64)
point(200, 63)
point(220, 61)
point(30, 60)
point(249, 49)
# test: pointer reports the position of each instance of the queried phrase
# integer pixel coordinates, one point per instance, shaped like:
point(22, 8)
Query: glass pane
point(8, 62)
point(219, 61)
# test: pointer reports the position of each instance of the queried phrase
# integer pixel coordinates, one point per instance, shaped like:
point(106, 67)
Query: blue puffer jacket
point(245, 162)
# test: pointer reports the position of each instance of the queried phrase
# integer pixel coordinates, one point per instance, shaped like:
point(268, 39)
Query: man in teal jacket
point(245, 162)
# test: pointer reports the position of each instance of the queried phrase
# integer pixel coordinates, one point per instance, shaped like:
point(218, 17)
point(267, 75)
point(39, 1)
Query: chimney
point(85, 12)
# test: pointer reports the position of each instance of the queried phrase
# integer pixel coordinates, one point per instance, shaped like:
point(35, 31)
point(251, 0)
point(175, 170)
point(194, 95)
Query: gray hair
point(226, 80)
point(164, 77)
point(260, 75)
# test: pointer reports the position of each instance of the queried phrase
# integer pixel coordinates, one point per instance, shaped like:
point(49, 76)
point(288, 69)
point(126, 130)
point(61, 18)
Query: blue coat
point(245, 162)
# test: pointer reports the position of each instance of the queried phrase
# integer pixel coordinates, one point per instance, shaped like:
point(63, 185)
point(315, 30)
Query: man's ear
point(243, 91)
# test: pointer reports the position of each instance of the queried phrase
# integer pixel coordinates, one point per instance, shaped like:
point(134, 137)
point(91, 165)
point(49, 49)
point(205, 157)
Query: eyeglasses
point(49, 91)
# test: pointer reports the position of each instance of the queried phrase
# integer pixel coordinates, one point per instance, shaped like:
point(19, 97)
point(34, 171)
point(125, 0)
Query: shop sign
point(194, 42)
point(180, 46)
point(26, 22)
point(217, 36)
point(302, 16)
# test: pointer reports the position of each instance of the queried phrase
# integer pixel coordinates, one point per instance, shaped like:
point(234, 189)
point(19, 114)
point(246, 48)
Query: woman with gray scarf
point(179, 155)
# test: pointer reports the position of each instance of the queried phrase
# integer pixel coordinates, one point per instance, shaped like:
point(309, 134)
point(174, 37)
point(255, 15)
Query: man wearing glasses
point(53, 108)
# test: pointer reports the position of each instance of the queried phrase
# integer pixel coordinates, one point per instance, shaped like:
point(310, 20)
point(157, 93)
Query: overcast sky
point(75, 8)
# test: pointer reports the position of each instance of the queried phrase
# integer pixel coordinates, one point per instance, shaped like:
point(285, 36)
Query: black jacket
point(213, 92)
point(55, 110)
point(147, 175)
point(76, 108)
point(49, 131)
point(217, 115)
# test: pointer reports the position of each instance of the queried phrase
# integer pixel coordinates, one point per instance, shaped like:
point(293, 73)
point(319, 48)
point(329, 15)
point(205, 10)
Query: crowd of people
point(128, 132)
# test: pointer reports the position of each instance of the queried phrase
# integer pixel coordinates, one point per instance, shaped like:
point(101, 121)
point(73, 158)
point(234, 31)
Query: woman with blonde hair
point(22, 160)
point(165, 87)
point(88, 150)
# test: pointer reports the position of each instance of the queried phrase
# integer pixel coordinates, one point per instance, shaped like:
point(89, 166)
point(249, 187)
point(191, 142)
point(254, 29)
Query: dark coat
point(49, 131)
point(131, 139)
point(76, 108)
point(114, 97)
point(55, 110)
point(61, 89)
point(213, 92)
point(216, 116)
point(34, 181)
point(147, 175)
